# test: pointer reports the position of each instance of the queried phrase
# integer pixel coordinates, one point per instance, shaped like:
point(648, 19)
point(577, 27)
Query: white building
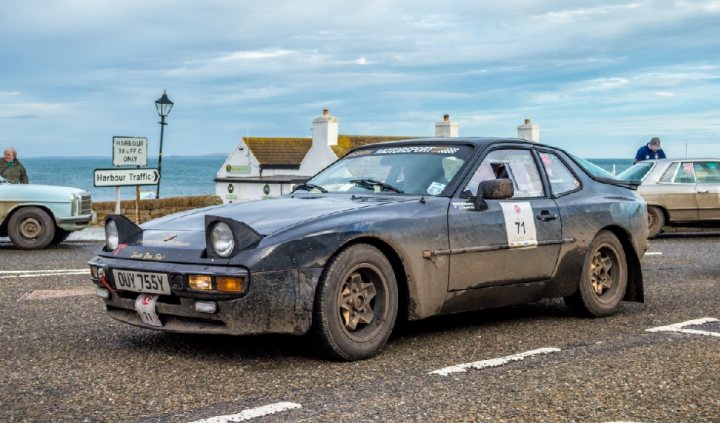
point(268, 167)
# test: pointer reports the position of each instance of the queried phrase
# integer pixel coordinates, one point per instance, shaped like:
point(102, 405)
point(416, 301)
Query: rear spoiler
point(633, 185)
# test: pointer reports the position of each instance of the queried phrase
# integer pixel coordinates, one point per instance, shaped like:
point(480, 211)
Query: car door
point(680, 196)
point(707, 189)
point(513, 240)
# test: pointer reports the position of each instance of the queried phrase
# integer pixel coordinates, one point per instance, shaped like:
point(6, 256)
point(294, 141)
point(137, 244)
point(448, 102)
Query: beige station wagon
point(678, 192)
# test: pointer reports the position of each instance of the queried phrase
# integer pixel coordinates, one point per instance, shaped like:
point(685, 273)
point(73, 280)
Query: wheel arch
point(398, 266)
point(635, 290)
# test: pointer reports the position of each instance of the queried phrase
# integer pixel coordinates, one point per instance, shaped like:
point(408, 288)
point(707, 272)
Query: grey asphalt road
point(63, 359)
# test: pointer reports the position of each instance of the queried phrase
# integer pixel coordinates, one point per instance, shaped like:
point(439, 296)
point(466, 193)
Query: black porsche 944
point(400, 230)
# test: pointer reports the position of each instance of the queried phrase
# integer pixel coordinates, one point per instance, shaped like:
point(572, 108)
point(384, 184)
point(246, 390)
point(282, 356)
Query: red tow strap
point(105, 283)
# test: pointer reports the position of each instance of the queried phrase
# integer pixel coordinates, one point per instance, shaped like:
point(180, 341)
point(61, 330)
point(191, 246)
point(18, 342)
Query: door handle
point(703, 191)
point(546, 216)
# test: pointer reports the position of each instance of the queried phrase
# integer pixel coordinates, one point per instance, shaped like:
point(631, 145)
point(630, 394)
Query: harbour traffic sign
point(125, 177)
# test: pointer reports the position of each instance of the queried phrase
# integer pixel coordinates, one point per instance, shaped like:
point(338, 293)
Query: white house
point(268, 167)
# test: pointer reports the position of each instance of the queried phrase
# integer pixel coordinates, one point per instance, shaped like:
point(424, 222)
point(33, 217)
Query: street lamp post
point(163, 105)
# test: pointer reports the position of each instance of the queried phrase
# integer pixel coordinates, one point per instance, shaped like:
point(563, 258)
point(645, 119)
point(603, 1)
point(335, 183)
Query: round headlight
point(222, 239)
point(111, 235)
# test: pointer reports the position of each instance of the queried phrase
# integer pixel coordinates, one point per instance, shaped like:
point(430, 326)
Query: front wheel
point(604, 278)
point(31, 228)
point(656, 221)
point(356, 304)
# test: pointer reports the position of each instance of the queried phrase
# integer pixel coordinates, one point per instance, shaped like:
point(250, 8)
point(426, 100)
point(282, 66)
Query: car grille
point(85, 204)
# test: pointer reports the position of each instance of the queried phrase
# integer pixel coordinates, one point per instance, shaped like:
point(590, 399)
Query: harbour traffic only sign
point(126, 177)
point(130, 151)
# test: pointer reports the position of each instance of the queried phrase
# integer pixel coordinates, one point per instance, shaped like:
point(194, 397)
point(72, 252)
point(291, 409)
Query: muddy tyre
point(604, 278)
point(656, 221)
point(356, 304)
point(31, 228)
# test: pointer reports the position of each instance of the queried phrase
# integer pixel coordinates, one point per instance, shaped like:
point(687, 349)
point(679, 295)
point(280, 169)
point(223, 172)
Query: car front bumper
point(274, 302)
point(74, 223)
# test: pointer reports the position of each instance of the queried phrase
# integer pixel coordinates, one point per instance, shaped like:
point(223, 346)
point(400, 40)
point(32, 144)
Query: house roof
point(288, 153)
point(348, 142)
point(279, 152)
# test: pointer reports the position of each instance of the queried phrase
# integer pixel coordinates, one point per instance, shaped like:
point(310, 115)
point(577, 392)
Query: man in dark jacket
point(11, 168)
point(650, 151)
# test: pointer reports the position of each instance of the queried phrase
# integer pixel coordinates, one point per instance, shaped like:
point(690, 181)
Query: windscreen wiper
point(309, 187)
point(371, 183)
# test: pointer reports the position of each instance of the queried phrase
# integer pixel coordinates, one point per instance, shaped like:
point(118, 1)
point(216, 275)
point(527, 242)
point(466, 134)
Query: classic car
point(678, 192)
point(35, 216)
point(401, 230)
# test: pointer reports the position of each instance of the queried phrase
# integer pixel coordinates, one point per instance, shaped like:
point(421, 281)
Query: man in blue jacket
point(650, 151)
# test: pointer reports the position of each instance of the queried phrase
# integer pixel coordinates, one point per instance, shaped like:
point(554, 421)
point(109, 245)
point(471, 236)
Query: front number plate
point(145, 307)
point(150, 283)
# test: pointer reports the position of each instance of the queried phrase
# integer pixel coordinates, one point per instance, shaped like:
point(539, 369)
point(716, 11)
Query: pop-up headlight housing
point(226, 237)
point(119, 229)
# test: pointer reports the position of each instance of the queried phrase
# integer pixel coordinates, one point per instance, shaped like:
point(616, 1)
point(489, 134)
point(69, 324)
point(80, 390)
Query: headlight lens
point(75, 208)
point(222, 240)
point(111, 235)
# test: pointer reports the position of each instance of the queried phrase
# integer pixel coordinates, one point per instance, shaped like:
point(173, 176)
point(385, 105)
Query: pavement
point(64, 359)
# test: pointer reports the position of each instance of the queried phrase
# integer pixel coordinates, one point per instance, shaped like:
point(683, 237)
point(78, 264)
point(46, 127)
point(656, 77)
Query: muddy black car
point(402, 230)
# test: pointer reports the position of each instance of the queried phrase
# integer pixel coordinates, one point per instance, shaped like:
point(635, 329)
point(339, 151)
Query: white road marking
point(654, 253)
point(252, 413)
point(40, 273)
point(43, 294)
point(680, 327)
point(494, 362)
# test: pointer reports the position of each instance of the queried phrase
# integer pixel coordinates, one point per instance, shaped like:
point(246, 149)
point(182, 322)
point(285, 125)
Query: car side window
point(516, 165)
point(561, 179)
point(669, 174)
point(707, 172)
point(685, 174)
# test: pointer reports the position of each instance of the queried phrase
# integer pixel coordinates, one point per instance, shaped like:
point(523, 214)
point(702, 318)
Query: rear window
point(593, 169)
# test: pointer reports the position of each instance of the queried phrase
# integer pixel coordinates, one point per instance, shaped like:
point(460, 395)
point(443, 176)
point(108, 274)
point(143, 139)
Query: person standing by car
point(650, 151)
point(11, 168)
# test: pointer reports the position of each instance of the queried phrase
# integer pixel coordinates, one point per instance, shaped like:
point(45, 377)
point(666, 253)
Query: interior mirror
point(493, 189)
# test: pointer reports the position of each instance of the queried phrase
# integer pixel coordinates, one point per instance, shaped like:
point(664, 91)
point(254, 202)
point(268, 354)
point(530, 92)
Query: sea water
point(181, 175)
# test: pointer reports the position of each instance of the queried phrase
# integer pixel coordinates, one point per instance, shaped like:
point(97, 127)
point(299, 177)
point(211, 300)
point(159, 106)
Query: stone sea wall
point(151, 209)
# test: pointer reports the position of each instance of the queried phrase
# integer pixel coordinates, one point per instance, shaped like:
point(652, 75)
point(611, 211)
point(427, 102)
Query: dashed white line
point(653, 253)
point(41, 273)
point(680, 327)
point(494, 362)
point(252, 413)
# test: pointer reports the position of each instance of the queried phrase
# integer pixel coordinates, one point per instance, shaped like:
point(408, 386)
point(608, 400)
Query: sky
point(599, 77)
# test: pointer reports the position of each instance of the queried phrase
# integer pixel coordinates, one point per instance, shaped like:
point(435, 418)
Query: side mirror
point(494, 189)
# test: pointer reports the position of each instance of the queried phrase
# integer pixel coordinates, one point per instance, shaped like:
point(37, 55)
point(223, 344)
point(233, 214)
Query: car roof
point(683, 159)
point(477, 141)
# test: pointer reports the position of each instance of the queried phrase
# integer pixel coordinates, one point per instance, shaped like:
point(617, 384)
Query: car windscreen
point(636, 172)
point(406, 169)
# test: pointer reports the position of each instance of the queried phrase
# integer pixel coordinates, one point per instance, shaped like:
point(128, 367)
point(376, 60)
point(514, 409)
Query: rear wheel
point(604, 278)
point(31, 228)
point(656, 221)
point(356, 304)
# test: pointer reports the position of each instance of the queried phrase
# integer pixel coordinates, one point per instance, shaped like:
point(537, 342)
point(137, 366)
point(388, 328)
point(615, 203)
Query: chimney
point(325, 130)
point(447, 128)
point(529, 131)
